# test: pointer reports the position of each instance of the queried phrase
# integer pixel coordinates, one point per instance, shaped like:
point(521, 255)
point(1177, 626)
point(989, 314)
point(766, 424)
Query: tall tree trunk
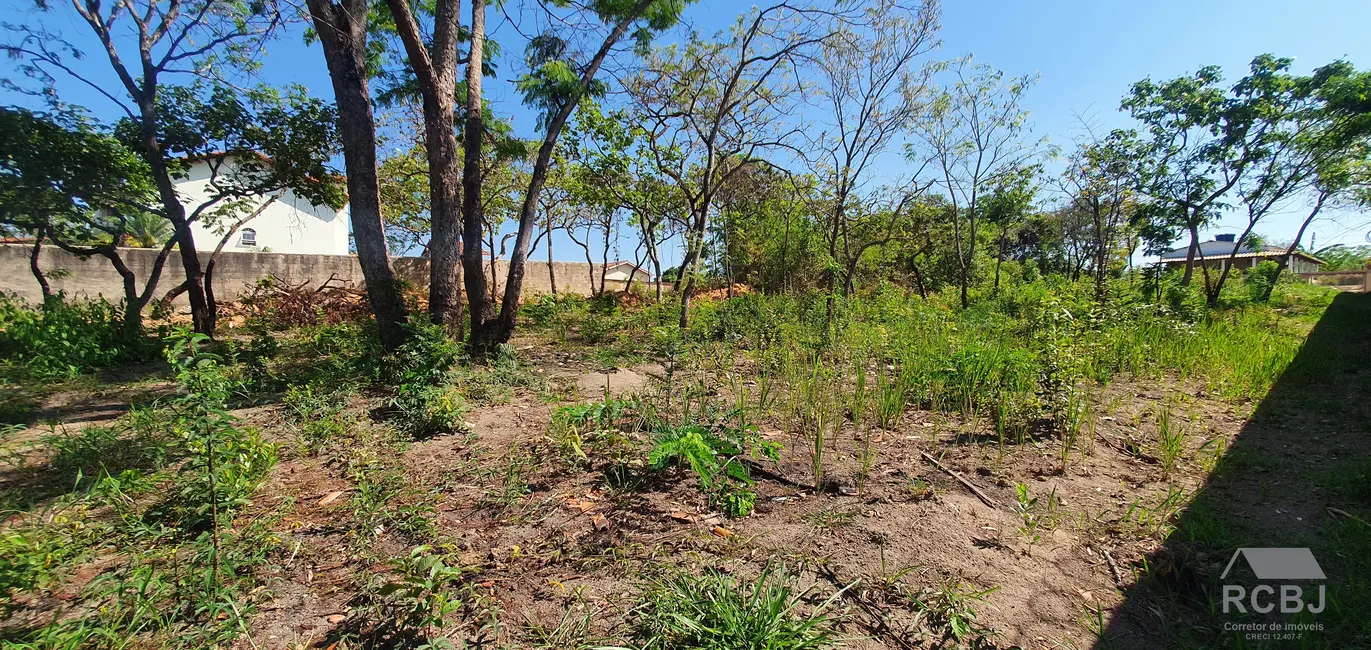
point(604, 260)
point(509, 307)
point(1294, 246)
point(999, 259)
point(968, 267)
point(918, 278)
point(551, 271)
point(832, 275)
point(38, 270)
point(656, 273)
point(685, 281)
point(473, 217)
point(436, 72)
point(342, 29)
point(202, 316)
point(1190, 256)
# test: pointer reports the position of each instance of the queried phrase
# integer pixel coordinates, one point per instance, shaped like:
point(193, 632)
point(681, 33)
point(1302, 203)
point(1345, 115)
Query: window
point(247, 237)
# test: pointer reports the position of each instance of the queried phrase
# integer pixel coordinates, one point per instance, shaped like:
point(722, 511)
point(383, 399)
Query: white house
point(288, 223)
point(621, 271)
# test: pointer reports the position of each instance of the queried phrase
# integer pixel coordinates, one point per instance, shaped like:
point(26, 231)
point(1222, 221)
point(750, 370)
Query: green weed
point(715, 610)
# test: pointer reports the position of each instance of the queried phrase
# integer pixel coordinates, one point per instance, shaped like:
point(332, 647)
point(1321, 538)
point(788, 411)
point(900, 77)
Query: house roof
point(1221, 249)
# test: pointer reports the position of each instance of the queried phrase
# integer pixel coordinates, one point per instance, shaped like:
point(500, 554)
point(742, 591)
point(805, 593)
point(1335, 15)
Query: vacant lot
point(1038, 473)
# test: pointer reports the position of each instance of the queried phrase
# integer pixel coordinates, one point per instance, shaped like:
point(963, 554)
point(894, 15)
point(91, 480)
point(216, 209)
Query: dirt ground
point(574, 545)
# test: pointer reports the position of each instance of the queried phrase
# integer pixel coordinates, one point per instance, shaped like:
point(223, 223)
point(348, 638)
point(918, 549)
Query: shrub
point(424, 401)
point(64, 339)
point(411, 608)
point(714, 454)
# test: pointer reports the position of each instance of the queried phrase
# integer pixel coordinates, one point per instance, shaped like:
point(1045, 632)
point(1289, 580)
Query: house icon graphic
point(1278, 564)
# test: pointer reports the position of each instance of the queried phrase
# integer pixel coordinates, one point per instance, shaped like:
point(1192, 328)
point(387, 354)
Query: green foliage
point(1345, 258)
point(1038, 515)
point(951, 608)
point(410, 608)
point(714, 454)
point(63, 339)
point(424, 402)
point(63, 175)
point(178, 568)
point(1258, 281)
point(318, 412)
point(717, 610)
point(224, 462)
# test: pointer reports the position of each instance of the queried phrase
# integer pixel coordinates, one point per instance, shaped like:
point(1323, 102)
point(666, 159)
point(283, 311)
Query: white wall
point(289, 225)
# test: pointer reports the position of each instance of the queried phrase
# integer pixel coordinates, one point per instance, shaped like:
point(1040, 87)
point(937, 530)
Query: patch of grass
point(575, 630)
point(831, 518)
point(1037, 514)
point(1171, 437)
point(385, 500)
point(716, 610)
point(950, 609)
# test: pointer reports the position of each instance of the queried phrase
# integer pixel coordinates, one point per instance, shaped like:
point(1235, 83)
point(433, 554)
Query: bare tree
point(1098, 183)
point(710, 108)
point(974, 134)
point(872, 83)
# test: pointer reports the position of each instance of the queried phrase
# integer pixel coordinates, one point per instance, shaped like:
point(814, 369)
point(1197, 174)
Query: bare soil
point(574, 542)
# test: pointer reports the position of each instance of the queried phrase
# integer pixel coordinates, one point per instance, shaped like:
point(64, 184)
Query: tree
point(973, 133)
point(404, 191)
point(1345, 258)
point(342, 31)
point(65, 182)
point(174, 37)
point(252, 143)
point(1196, 148)
point(710, 108)
point(1098, 182)
point(434, 63)
point(872, 85)
point(1305, 146)
point(612, 169)
point(556, 84)
point(1008, 204)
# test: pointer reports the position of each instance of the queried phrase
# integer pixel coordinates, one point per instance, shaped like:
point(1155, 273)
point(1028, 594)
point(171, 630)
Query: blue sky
point(1085, 53)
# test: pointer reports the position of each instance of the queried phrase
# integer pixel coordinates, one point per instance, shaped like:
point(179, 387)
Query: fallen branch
point(1126, 449)
point(1113, 567)
point(969, 485)
point(765, 473)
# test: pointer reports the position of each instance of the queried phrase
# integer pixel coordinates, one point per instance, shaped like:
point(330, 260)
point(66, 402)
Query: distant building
point(290, 224)
point(1215, 254)
point(620, 271)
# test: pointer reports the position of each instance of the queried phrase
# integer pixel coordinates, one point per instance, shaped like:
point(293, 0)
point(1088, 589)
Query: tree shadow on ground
point(1297, 475)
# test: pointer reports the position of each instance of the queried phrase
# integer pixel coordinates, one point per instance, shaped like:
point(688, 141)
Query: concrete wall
point(236, 273)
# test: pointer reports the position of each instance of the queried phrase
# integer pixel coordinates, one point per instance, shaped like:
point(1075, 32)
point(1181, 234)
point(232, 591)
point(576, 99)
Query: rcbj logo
point(1274, 564)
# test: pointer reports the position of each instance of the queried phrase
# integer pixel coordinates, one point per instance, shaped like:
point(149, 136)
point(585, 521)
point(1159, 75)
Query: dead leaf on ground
point(331, 497)
point(335, 619)
point(683, 517)
point(581, 505)
point(722, 532)
point(601, 523)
